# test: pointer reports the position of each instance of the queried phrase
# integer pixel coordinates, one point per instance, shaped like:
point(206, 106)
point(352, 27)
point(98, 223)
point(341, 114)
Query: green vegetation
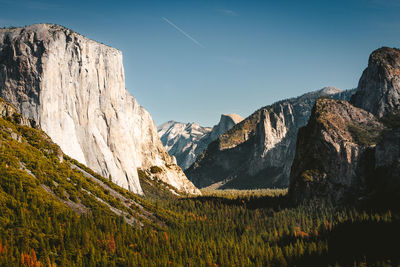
point(155, 169)
point(235, 193)
point(155, 188)
point(259, 229)
point(257, 181)
point(308, 175)
point(56, 212)
point(327, 111)
point(240, 132)
point(392, 120)
point(365, 134)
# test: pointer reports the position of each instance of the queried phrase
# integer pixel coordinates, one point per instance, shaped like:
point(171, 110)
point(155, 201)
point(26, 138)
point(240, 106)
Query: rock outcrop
point(379, 88)
point(386, 180)
point(8, 111)
point(225, 123)
point(185, 141)
point(74, 88)
point(258, 152)
point(335, 153)
point(348, 153)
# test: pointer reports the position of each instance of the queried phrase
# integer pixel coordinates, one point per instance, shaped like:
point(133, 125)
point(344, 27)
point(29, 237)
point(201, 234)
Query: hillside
point(258, 152)
point(56, 212)
point(74, 89)
point(349, 152)
point(184, 141)
point(334, 154)
point(47, 200)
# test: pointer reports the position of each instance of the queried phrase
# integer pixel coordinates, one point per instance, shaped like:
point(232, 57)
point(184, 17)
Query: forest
point(54, 215)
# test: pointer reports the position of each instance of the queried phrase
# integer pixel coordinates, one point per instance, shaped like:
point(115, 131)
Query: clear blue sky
point(225, 56)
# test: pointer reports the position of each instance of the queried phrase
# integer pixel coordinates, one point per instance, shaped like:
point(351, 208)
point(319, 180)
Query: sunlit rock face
point(185, 141)
point(74, 88)
point(351, 151)
point(379, 87)
point(258, 151)
point(334, 153)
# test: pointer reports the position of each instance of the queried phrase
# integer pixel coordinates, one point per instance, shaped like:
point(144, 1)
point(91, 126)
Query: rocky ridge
point(334, 152)
point(185, 141)
point(258, 152)
point(74, 88)
point(30, 157)
point(378, 90)
point(348, 152)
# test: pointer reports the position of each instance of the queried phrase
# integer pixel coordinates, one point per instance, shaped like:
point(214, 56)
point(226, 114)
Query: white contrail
point(182, 31)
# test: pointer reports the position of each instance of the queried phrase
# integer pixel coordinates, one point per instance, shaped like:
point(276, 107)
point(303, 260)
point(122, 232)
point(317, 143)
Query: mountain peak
point(73, 87)
point(42, 30)
point(226, 122)
point(234, 117)
point(185, 141)
point(386, 54)
point(345, 134)
point(378, 90)
point(329, 90)
point(258, 151)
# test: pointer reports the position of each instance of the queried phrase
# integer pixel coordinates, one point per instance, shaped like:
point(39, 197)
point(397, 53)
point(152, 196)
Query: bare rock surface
point(348, 153)
point(379, 87)
point(258, 151)
point(335, 153)
point(185, 141)
point(74, 88)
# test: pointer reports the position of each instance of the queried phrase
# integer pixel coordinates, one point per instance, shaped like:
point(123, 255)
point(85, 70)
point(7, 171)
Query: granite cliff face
point(387, 163)
point(258, 151)
point(346, 153)
point(74, 88)
point(225, 123)
point(185, 141)
point(335, 153)
point(8, 111)
point(379, 88)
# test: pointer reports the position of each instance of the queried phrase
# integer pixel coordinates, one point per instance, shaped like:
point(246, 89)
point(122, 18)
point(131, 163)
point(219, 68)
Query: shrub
point(365, 134)
point(155, 169)
point(391, 120)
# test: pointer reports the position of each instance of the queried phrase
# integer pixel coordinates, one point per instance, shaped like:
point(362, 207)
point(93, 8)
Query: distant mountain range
point(84, 108)
point(258, 152)
point(185, 141)
point(85, 179)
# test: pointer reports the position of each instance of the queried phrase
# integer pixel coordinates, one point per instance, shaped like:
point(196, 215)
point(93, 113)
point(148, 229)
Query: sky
point(191, 61)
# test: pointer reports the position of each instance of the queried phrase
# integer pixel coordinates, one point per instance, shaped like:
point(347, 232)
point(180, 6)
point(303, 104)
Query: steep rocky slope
point(258, 151)
point(379, 87)
point(74, 88)
point(335, 152)
point(226, 122)
point(28, 156)
point(57, 212)
point(346, 153)
point(185, 141)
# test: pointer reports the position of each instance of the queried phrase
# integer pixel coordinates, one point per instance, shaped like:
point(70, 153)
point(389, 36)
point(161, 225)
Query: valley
point(87, 179)
point(42, 224)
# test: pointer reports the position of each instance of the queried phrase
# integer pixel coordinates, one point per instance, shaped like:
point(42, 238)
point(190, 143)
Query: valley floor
point(220, 228)
point(257, 228)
